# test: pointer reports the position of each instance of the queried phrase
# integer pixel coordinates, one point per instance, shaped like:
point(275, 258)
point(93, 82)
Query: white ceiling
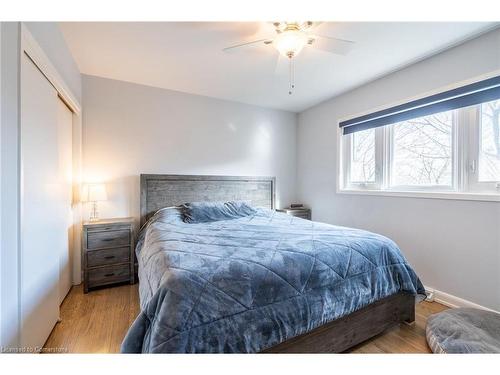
point(188, 57)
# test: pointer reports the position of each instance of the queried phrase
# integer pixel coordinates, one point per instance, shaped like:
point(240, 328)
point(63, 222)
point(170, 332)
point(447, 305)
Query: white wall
point(453, 245)
point(129, 129)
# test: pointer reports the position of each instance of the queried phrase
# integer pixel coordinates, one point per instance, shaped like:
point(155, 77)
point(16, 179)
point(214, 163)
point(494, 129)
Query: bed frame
point(160, 190)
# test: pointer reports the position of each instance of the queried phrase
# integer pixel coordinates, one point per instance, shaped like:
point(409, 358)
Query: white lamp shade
point(290, 43)
point(94, 193)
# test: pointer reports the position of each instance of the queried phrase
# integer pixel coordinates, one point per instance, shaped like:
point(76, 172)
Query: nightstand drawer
point(307, 217)
point(303, 213)
point(108, 275)
point(115, 238)
point(108, 256)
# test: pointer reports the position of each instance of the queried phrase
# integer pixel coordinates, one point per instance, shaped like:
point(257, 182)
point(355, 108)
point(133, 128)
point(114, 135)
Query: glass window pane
point(489, 138)
point(363, 156)
point(422, 151)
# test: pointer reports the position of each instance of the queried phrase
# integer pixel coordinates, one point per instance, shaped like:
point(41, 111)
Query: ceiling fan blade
point(332, 45)
point(246, 44)
point(265, 29)
point(312, 25)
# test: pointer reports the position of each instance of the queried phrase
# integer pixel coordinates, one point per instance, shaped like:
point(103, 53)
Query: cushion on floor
point(464, 330)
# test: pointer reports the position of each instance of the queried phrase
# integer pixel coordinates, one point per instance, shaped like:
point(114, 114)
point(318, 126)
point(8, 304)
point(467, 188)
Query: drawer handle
point(109, 257)
point(108, 239)
point(109, 274)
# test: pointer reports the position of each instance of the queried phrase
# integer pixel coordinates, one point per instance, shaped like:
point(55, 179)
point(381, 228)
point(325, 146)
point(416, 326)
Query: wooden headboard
point(165, 190)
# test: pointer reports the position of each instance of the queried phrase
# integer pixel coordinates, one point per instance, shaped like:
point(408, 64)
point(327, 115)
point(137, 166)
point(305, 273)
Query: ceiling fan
point(292, 37)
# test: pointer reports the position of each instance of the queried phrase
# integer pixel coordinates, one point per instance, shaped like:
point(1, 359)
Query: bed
point(239, 277)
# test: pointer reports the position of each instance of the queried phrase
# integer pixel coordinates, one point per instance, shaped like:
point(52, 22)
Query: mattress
point(238, 279)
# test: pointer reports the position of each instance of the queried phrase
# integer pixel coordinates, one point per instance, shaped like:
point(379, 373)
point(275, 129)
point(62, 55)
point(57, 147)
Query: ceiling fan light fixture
point(291, 38)
point(289, 43)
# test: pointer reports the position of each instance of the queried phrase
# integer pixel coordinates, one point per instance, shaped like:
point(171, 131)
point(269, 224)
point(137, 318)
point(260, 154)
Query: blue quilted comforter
point(240, 279)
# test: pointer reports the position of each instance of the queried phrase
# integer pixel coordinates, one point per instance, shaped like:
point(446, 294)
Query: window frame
point(368, 185)
point(465, 156)
point(475, 129)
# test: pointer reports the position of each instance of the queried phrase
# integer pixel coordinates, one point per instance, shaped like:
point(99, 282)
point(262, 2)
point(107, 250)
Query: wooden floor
point(403, 338)
point(95, 322)
point(98, 321)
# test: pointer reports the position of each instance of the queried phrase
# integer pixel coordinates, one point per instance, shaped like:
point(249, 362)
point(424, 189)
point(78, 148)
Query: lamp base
point(94, 214)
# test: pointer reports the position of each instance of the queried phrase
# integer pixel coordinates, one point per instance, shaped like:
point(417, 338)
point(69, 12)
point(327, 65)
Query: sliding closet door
point(65, 177)
point(42, 207)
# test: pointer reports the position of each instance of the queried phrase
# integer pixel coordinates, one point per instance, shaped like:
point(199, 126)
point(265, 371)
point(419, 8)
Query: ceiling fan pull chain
point(291, 76)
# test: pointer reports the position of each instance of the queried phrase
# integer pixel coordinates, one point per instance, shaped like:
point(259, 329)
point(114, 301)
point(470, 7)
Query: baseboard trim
point(454, 301)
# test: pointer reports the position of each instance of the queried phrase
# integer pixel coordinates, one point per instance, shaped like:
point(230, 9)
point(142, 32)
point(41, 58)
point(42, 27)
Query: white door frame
point(32, 49)
point(10, 128)
point(1, 341)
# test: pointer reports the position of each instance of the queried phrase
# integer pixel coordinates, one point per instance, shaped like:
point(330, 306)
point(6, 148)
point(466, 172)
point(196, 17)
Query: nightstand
point(108, 252)
point(302, 212)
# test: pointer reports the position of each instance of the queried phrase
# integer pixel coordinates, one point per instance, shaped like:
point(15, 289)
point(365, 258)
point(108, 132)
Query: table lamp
point(94, 193)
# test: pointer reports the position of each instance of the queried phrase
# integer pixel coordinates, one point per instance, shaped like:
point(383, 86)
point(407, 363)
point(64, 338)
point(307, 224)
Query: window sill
point(486, 197)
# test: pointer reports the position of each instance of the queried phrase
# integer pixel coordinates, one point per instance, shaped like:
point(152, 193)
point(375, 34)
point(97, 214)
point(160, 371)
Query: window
point(455, 150)
point(489, 140)
point(363, 157)
point(423, 151)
